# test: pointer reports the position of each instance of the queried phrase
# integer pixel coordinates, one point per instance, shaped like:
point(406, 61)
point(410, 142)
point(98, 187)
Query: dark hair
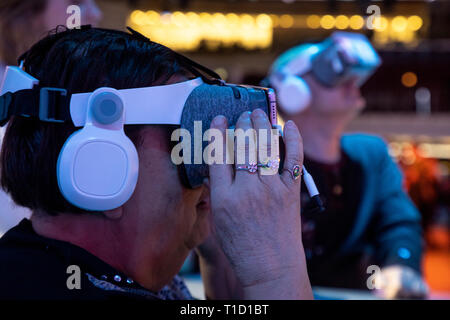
point(79, 61)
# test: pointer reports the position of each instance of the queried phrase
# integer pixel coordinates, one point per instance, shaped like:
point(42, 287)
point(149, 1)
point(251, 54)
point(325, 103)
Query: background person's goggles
point(344, 56)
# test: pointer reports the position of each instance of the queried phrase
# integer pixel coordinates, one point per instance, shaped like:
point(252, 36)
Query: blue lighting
point(404, 253)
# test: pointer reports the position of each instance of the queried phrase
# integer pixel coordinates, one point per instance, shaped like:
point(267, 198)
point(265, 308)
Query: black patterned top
point(38, 268)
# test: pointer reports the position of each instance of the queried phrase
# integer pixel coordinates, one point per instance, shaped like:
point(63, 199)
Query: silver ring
point(273, 164)
point(251, 167)
point(295, 172)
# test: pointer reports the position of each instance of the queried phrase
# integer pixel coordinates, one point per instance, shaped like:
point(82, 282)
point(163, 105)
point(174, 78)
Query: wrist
point(293, 284)
point(269, 268)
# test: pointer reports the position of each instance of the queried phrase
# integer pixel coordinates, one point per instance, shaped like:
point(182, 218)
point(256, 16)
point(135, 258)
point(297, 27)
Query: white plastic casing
point(148, 105)
point(98, 165)
point(16, 79)
point(294, 94)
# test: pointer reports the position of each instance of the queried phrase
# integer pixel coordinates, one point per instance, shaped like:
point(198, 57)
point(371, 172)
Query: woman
point(135, 250)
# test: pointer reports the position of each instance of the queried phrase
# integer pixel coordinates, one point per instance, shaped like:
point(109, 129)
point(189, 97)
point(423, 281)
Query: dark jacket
point(382, 229)
point(33, 267)
point(385, 207)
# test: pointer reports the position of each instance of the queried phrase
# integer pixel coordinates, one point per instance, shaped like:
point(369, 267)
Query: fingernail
point(218, 120)
point(259, 112)
point(289, 124)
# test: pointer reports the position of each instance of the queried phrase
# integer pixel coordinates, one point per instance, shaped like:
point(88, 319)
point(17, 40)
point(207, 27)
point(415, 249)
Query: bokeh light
point(286, 21)
point(409, 79)
point(263, 21)
point(327, 21)
point(313, 21)
point(356, 22)
point(342, 22)
point(414, 23)
point(399, 24)
point(380, 24)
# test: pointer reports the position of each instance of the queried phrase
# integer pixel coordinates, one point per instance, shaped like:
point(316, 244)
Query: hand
point(219, 279)
point(257, 219)
point(402, 282)
point(209, 249)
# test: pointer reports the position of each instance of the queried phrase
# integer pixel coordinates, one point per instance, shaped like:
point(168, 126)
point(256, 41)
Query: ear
point(114, 214)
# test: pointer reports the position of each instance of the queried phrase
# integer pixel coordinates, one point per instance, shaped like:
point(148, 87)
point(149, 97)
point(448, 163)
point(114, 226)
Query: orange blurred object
point(436, 267)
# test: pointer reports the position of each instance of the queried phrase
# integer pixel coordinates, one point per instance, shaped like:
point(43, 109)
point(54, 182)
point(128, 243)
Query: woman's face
point(56, 12)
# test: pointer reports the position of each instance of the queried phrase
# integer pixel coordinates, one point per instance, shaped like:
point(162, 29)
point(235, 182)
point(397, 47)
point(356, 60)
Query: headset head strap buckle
point(49, 99)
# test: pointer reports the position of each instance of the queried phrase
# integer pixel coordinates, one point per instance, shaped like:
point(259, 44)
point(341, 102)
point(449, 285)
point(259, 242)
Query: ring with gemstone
point(251, 167)
point(295, 172)
point(273, 164)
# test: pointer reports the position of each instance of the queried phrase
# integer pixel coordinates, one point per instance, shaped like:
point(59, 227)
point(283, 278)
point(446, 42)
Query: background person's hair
point(21, 25)
point(80, 61)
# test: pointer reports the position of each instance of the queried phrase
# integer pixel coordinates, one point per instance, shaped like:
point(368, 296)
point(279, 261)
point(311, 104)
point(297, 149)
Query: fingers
point(268, 148)
point(412, 285)
point(245, 145)
point(220, 174)
point(294, 153)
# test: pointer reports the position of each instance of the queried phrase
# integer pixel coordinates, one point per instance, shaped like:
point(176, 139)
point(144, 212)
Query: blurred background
point(408, 98)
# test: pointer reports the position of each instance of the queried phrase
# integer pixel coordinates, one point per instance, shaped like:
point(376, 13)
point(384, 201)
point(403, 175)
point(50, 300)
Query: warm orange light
point(138, 17)
point(414, 23)
point(286, 21)
point(313, 21)
point(275, 20)
point(327, 21)
point(380, 24)
point(409, 79)
point(263, 21)
point(399, 24)
point(356, 22)
point(342, 22)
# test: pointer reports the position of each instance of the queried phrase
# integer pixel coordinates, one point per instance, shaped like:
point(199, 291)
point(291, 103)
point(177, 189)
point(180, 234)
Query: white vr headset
point(98, 165)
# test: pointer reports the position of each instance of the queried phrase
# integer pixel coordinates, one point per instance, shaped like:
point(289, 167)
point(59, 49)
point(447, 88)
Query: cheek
point(338, 99)
point(326, 100)
point(159, 191)
point(159, 198)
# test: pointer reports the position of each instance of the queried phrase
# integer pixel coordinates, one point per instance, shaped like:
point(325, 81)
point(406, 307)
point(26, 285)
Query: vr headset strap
point(53, 105)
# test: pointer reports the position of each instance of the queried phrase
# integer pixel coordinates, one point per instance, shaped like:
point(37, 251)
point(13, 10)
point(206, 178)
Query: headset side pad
point(98, 165)
point(293, 94)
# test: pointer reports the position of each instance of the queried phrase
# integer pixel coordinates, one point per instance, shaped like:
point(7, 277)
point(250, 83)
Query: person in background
point(368, 218)
point(22, 23)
